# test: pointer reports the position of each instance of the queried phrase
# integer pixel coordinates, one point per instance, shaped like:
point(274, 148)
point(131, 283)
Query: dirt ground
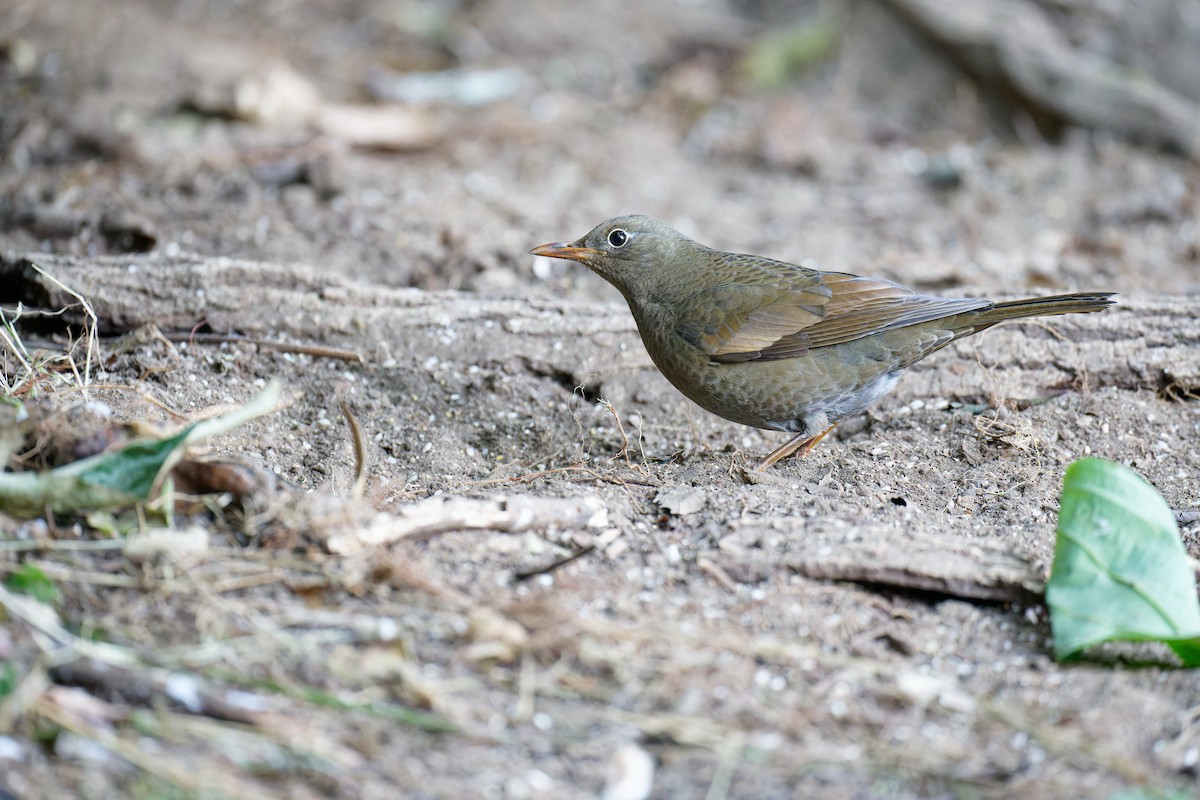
point(605, 597)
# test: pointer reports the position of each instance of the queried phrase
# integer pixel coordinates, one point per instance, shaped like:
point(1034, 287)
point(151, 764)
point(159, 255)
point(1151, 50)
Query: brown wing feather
point(863, 306)
point(772, 310)
point(762, 302)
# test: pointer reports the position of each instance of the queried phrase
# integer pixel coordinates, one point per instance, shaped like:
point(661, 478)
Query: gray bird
point(776, 345)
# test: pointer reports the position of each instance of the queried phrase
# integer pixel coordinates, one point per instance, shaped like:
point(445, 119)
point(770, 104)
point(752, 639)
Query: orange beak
point(565, 250)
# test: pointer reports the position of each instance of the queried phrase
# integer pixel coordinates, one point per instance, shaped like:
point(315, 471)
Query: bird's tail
point(1083, 303)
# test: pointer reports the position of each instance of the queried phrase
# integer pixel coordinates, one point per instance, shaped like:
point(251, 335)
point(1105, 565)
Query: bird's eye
point(617, 237)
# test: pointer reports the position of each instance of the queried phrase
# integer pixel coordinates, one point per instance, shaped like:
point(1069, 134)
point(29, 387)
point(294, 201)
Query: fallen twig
point(360, 449)
point(525, 575)
point(442, 514)
point(268, 344)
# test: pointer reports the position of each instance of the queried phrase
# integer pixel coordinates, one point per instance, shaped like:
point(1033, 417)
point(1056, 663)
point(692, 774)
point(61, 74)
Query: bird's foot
point(797, 443)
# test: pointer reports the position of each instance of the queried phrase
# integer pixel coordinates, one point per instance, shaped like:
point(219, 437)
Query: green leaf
point(133, 469)
point(782, 55)
point(108, 480)
point(31, 581)
point(8, 679)
point(1120, 571)
point(1150, 793)
point(120, 478)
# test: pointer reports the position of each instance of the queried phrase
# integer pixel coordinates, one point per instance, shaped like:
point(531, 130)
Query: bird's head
point(643, 257)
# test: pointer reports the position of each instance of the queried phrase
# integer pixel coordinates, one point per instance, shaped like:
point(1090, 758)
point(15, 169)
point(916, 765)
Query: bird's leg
point(798, 442)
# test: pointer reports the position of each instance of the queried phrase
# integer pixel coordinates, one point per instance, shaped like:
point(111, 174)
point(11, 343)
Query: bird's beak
point(566, 250)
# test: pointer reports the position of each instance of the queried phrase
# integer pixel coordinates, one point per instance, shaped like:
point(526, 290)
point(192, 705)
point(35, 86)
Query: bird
point(775, 345)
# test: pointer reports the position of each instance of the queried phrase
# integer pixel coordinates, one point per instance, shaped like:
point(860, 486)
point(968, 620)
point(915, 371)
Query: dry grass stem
point(360, 449)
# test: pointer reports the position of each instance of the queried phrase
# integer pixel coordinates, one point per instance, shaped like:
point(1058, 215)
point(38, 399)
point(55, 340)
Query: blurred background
point(993, 146)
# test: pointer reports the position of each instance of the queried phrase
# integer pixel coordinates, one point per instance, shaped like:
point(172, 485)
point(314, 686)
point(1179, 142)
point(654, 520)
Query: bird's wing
point(862, 306)
point(757, 307)
point(771, 310)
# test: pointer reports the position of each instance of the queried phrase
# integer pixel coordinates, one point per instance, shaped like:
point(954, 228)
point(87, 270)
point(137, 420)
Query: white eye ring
point(618, 237)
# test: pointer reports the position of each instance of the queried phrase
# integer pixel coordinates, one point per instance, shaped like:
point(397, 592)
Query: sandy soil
point(703, 621)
